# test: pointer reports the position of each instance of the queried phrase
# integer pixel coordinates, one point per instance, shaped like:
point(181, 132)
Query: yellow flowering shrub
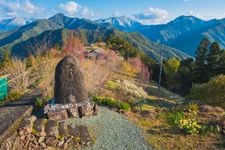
point(189, 126)
point(186, 120)
point(193, 108)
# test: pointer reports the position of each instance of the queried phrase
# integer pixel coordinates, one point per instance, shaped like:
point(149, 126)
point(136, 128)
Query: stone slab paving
point(112, 131)
point(12, 113)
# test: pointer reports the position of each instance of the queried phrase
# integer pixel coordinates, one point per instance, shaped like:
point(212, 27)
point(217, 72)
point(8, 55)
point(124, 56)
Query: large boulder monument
point(70, 95)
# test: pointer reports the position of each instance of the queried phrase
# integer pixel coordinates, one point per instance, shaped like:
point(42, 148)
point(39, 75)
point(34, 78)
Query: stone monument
point(69, 82)
point(70, 95)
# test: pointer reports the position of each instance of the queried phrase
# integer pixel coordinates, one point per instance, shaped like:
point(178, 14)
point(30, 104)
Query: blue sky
point(145, 11)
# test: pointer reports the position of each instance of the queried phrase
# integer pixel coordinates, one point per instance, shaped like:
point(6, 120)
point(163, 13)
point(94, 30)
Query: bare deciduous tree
point(74, 46)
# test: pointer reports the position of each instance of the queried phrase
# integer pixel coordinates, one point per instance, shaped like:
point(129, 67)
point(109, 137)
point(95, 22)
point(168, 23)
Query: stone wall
point(46, 134)
point(14, 112)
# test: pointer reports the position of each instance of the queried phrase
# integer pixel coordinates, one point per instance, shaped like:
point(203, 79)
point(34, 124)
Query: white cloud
point(13, 9)
point(73, 9)
point(152, 16)
point(70, 7)
point(10, 9)
point(29, 7)
point(11, 14)
point(117, 13)
point(205, 16)
point(87, 13)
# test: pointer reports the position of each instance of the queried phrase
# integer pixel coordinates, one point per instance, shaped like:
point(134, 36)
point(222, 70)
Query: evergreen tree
point(213, 59)
point(185, 75)
point(201, 68)
point(221, 63)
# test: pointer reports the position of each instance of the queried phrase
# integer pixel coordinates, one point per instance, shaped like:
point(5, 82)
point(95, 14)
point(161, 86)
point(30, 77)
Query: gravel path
point(113, 132)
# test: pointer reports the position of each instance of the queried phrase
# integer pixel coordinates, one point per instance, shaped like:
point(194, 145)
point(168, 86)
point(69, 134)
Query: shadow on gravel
point(26, 100)
point(19, 103)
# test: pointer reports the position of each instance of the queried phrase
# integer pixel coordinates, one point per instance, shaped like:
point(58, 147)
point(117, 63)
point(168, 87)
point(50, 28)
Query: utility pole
point(161, 67)
point(128, 55)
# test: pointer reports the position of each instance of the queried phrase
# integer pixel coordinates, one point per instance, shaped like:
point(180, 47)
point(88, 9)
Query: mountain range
point(121, 23)
point(54, 30)
point(184, 33)
point(12, 23)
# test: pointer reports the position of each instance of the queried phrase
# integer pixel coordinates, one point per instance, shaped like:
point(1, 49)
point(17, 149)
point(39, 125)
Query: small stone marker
point(70, 95)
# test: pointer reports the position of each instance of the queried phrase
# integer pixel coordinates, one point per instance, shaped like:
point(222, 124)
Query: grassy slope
point(151, 116)
point(161, 135)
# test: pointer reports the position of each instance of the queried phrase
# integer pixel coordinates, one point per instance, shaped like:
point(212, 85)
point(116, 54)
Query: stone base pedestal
point(64, 111)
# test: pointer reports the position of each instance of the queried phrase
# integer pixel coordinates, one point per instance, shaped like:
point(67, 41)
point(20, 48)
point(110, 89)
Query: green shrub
point(2, 102)
point(14, 95)
point(29, 62)
point(11, 97)
point(175, 117)
point(39, 102)
point(186, 121)
point(124, 106)
point(111, 85)
point(110, 102)
point(209, 128)
point(211, 92)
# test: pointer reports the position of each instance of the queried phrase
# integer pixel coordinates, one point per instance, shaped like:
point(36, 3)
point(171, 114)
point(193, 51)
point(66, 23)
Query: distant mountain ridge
point(12, 23)
point(17, 40)
point(121, 23)
point(184, 33)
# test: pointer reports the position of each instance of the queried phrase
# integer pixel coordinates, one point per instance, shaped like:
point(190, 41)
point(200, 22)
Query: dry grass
point(18, 75)
point(39, 74)
point(43, 72)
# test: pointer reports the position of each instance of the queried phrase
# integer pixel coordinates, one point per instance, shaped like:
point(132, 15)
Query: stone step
point(51, 128)
point(73, 131)
point(39, 127)
point(54, 134)
point(63, 129)
point(84, 134)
